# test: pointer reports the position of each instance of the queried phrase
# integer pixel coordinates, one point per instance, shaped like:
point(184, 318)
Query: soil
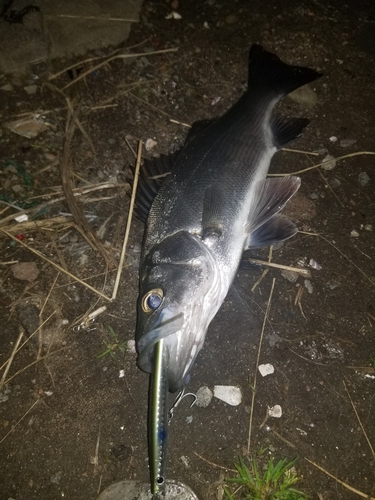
point(71, 424)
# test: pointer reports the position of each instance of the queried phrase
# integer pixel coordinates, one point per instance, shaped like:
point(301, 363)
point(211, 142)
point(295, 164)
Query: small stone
point(25, 271)
point(332, 285)
point(275, 411)
point(304, 95)
point(308, 286)
point(334, 183)
point(314, 196)
point(150, 144)
point(31, 89)
point(329, 163)
point(354, 234)
point(189, 419)
point(291, 276)
point(204, 397)
point(55, 479)
point(266, 369)
point(346, 143)
point(368, 227)
point(8, 87)
point(230, 394)
point(363, 179)
point(231, 19)
point(333, 138)
point(18, 189)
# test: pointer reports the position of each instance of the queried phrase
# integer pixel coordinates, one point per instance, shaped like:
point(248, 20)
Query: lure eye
point(152, 300)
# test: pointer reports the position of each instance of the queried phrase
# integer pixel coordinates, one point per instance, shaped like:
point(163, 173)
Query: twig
point(33, 363)
point(283, 439)
point(303, 272)
point(79, 124)
point(359, 153)
point(39, 254)
point(95, 18)
point(299, 151)
point(85, 61)
point(179, 123)
point(262, 276)
point(330, 188)
point(347, 486)
point(359, 420)
point(10, 360)
point(150, 105)
point(128, 223)
point(20, 420)
point(212, 463)
point(117, 56)
point(257, 364)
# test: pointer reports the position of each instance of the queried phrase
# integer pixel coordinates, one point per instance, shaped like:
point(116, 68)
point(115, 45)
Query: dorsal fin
point(151, 176)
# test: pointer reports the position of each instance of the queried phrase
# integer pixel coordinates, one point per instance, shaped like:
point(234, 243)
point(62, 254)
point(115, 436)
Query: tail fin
point(267, 71)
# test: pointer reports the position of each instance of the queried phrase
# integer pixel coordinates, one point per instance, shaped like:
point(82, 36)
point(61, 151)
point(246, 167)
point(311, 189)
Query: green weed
point(114, 346)
point(275, 483)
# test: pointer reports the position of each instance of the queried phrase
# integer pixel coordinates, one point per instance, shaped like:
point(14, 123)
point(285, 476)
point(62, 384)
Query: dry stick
point(79, 125)
point(10, 360)
point(33, 363)
point(95, 18)
point(28, 338)
point(359, 153)
point(330, 188)
point(80, 63)
point(299, 151)
point(347, 486)
point(212, 463)
point(118, 56)
point(128, 223)
point(304, 272)
point(39, 254)
point(257, 363)
point(20, 420)
point(150, 105)
point(359, 420)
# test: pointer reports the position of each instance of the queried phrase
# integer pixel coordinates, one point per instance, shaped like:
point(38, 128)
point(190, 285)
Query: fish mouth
point(169, 323)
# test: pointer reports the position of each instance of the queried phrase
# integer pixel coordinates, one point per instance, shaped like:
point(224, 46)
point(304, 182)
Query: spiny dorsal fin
point(151, 176)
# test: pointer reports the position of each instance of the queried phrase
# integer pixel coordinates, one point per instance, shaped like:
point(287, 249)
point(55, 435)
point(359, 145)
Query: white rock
point(275, 411)
point(354, 234)
point(173, 15)
point(230, 394)
point(329, 162)
point(266, 369)
point(204, 397)
point(150, 144)
point(309, 286)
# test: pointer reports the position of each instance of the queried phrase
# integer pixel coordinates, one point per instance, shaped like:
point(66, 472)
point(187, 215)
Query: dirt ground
point(70, 423)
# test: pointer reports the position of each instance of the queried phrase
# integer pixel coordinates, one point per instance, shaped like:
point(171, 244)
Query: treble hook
point(180, 396)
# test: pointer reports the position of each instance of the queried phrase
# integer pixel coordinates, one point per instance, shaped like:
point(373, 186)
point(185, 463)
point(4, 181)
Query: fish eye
point(152, 300)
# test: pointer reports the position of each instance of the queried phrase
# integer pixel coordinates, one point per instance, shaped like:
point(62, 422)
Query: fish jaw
point(184, 269)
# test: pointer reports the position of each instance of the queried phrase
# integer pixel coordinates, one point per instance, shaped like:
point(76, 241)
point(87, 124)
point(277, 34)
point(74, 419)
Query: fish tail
point(268, 72)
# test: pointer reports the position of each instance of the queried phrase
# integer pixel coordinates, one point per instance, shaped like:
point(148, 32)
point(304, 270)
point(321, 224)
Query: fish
point(203, 206)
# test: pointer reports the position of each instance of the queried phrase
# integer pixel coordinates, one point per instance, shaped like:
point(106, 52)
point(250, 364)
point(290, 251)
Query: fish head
point(177, 278)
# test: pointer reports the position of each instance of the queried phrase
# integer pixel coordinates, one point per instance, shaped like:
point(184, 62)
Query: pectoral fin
point(275, 230)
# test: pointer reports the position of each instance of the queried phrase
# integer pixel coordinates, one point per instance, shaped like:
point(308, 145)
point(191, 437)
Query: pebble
point(231, 19)
point(368, 227)
point(334, 183)
point(309, 286)
point(333, 138)
point(275, 411)
point(304, 95)
point(150, 144)
point(363, 179)
point(266, 369)
point(7, 87)
point(25, 271)
point(314, 196)
point(329, 163)
point(204, 397)
point(230, 394)
point(31, 89)
point(346, 143)
point(354, 234)
point(291, 276)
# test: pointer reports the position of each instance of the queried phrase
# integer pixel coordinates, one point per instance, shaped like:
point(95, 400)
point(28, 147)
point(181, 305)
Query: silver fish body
point(215, 203)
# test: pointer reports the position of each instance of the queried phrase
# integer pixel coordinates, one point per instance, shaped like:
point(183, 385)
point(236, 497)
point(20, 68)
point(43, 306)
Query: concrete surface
point(47, 34)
